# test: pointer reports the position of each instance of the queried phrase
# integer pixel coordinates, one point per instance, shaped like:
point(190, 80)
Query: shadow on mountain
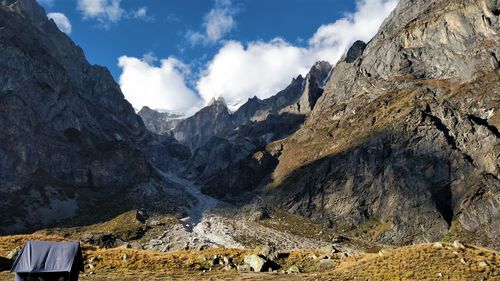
point(274, 127)
point(411, 187)
point(243, 173)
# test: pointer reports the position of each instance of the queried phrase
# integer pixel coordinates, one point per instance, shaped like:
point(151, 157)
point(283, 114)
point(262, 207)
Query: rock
point(12, 255)
point(256, 262)
point(103, 240)
point(458, 245)
point(340, 239)
point(243, 267)
point(482, 264)
point(229, 267)
point(293, 269)
point(329, 249)
point(141, 215)
point(124, 257)
point(259, 214)
point(437, 245)
point(462, 260)
point(355, 51)
point(109, 267)
point(125, 246)
point(269, 252)
point(326, 264)
point(312, 256)
point(156, 223)
point(227, 260)
point(214, 261)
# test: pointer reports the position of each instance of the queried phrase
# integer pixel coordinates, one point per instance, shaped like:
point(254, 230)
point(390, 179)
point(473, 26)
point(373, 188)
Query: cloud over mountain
point(61, 21)
point(239, 70)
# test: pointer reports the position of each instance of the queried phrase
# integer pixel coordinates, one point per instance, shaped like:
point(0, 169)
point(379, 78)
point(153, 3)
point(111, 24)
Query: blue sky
point(178, 54)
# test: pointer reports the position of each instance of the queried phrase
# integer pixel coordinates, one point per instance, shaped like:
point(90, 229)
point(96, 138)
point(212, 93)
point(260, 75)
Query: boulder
point(329, 249)
point(269, 252)
point(141, 215)
point(14, 253)
point(243, 267)
point(293, 269)
point(438, 245)
point(458, 245)
point(257, 263)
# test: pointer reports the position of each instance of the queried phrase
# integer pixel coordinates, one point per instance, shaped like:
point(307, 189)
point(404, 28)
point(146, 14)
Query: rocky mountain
point(229, 149)
point(404, 141)
point(398, 143)
point(159, 122)
point(212, 120)
point(70, 141)
point(298, 98)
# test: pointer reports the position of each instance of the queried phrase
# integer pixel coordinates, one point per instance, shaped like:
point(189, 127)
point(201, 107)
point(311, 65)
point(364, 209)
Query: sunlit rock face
point(404, 139)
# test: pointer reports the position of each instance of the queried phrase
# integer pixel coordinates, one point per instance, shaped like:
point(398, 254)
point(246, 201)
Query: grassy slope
point(418, 262)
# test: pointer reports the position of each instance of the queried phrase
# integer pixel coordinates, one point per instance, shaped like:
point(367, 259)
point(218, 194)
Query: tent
point(49, 261)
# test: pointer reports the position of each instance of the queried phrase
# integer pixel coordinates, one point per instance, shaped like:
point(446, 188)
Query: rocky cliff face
point(159, 122)
point(70, 141)
point(225, 159)
point(404, 140)
point(212, 120)
point(298, 98)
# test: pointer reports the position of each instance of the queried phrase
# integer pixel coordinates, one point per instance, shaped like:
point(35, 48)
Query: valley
point(384, 165)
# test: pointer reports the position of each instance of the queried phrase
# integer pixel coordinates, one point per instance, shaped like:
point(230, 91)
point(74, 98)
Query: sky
point(177, 55)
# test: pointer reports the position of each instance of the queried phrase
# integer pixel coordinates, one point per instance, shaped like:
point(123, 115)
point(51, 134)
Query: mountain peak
point(30, 9)
point(217, 101)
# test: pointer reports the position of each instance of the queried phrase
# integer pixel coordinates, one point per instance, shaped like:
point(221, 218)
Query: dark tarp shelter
point(49, 261)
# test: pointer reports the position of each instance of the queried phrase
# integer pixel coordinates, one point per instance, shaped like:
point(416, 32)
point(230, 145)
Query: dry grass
point(418, 262)
point(124, 226)
point(297, 225)
point(423, 262)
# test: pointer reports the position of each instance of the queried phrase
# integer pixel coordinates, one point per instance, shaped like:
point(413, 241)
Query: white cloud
point(141, 12)
point(263, 68)
point(361, 25)
point(159, 87)
point(105, 11)
point(217, 23)
point(61, 21)
point(240, 71)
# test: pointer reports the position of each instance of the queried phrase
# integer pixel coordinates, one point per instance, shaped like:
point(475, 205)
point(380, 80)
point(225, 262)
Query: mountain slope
point(70, 141)
point(404, 139)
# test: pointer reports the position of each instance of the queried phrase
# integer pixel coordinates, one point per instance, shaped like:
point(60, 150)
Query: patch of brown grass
point(423, 262)
point(418, 262)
